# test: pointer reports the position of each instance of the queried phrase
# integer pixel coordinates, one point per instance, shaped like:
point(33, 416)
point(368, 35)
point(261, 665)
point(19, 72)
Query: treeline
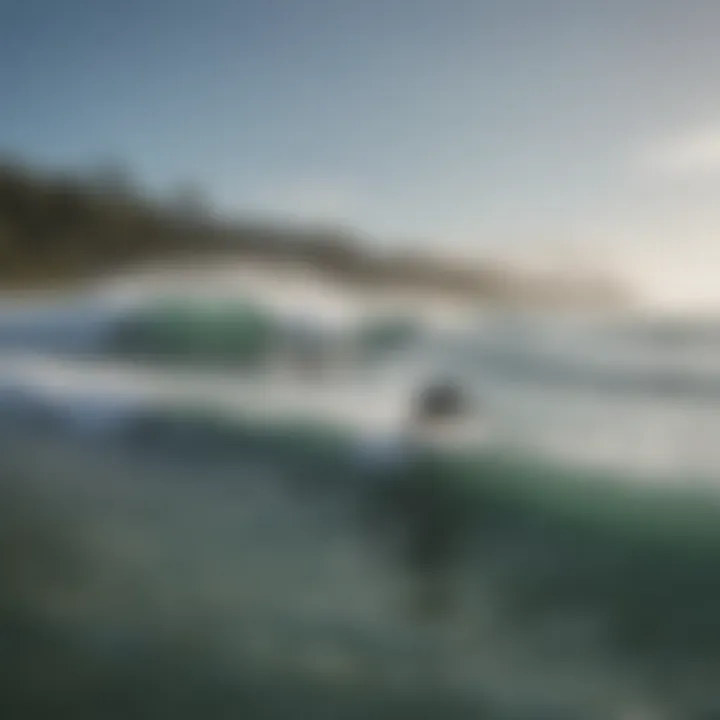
point(57, 227)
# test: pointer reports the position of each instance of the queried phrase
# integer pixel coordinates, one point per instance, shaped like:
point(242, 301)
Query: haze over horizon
point(507, 127)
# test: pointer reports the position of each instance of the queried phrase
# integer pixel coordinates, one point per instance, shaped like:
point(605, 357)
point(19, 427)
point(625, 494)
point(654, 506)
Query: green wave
point(180, 329)
point(643, 559)
point(494, 481)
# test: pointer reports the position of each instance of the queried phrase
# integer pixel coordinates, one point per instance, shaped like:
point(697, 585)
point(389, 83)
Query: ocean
point(199, 516)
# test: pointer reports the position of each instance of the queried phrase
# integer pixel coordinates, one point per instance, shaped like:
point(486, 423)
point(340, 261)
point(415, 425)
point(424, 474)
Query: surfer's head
point(439, 404)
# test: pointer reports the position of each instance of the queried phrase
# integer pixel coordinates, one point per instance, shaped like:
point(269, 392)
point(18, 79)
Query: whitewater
point(637, 394)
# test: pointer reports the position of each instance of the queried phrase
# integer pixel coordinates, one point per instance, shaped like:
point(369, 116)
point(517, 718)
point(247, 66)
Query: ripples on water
point(193, 549)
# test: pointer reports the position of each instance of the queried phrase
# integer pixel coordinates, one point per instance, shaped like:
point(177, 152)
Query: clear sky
point(474, 122)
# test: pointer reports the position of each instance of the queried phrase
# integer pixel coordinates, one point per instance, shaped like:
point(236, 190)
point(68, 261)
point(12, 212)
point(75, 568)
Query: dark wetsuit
point(429, 512)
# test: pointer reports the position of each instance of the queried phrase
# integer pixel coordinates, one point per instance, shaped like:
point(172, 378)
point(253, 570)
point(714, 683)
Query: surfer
point(420, 507)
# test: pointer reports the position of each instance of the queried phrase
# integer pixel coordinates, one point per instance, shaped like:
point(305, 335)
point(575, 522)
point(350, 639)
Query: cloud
point(692, 152)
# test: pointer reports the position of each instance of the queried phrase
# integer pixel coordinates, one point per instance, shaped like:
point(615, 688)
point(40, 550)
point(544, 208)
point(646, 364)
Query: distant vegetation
point(56, 227)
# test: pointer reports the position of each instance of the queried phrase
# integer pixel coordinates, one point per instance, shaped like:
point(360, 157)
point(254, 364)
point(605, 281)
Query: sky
point(532, 126)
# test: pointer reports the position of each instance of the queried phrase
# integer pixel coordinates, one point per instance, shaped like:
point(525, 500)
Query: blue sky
point(462, 121)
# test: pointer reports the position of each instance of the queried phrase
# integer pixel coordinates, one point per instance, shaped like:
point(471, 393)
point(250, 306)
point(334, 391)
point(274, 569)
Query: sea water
point(593, 440)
